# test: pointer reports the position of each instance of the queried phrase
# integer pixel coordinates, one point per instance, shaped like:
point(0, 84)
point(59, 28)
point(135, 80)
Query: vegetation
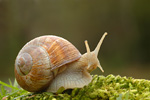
point(106, 88)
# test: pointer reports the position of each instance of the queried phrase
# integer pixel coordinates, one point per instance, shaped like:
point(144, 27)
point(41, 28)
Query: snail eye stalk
point(99, 44)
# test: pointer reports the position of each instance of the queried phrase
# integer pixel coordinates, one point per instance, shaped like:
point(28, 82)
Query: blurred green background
point(125, 51)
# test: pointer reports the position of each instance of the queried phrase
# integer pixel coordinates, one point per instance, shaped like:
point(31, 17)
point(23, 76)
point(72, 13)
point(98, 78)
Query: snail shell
point(37, 61)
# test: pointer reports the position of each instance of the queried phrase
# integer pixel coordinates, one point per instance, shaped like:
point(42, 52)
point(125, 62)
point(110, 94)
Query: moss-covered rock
point(105, 88)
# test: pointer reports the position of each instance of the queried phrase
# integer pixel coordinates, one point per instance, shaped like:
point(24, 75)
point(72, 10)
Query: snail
point(49, 62)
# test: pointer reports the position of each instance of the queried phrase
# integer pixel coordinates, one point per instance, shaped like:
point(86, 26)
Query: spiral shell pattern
point(38, 59)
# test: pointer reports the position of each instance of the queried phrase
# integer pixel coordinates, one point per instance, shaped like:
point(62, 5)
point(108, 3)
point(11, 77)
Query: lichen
point(106, 88)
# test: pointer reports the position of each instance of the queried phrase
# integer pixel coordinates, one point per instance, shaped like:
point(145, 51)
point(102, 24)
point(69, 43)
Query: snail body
point(49, 62)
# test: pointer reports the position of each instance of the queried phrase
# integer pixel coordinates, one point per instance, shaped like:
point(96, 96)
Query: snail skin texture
point(49, 62)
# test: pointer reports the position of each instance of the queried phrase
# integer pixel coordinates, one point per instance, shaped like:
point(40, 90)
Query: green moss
point(105, 88)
